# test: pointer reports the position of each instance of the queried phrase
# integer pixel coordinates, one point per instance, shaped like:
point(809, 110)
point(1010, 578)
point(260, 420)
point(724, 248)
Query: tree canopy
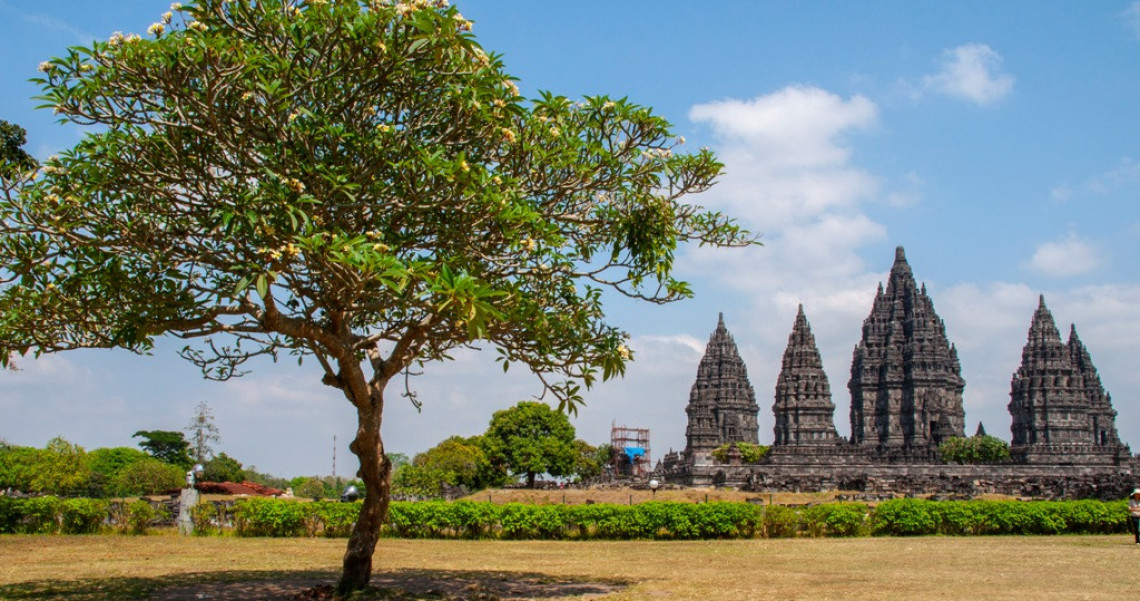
point(354, 182)
point(166, 445)
point(531, 438)
point(13, 158)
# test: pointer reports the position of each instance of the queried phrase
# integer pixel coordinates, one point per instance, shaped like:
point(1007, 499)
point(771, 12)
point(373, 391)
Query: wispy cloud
point(1131, 16)
point(59, 26)
point(1124, 176)
point(1069, 257)
point(971, 72)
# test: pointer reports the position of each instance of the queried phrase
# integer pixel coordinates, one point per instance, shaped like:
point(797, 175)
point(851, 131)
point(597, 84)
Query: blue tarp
point(634, 452)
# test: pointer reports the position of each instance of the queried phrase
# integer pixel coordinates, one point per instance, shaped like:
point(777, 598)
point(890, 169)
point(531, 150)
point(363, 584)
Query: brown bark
point(374, 471)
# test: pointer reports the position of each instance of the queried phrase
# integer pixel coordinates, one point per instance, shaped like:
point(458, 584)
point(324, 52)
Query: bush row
point(663, 521)
point(52, 515)
point(687, 521)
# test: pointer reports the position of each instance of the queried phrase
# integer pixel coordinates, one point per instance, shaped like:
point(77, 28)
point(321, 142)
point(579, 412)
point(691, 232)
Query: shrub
point(140, 515)
point(333, 520)
point(780, 521)
point(837, 519)
point(83, 516)
point(204, 516)
point(269, 517)
point(41, 515)
point(546, 522)
point(11, 513)
point(904, 517)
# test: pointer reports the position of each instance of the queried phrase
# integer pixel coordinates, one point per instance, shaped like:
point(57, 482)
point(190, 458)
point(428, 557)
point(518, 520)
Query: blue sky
point(997, 141)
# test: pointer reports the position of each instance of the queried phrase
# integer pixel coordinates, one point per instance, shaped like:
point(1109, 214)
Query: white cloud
point(972, 72)
point(1065, 258)
point(1131, 16)
point(797, 126)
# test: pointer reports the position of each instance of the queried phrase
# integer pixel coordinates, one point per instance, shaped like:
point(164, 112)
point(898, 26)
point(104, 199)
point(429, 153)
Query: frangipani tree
point(354, 183)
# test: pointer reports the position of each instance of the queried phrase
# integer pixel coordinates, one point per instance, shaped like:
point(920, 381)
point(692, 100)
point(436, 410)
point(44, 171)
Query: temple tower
point(906, 382)
point(803, 409)
point(722, 405)
point(1061, 413)
point(1102, 417)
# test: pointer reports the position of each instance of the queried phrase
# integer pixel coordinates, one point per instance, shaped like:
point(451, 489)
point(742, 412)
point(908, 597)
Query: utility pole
point(334, 458)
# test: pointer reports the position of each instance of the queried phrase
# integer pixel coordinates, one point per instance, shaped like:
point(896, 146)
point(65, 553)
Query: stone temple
point(906, 389)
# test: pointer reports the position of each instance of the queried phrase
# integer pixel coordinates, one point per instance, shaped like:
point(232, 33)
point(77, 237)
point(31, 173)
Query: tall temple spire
point(1047, 393)
point(906, 382)
point(803, 409)
point(1102, 417)
point(722, 404)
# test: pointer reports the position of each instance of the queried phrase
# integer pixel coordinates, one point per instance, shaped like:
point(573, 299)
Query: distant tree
point(166, 445)
point(531, 438)
point(18, 467)
point(749, 453)
point(311, 488)
point(456, 461)
point(223, 468)
point(203, 433)
point(589, 461)
point(398, 460)
point(148, 476)
point(13, 158)
point(62, 468)
point(251, 474)
point(977, 449)
point(106, 463)
point(354, 182)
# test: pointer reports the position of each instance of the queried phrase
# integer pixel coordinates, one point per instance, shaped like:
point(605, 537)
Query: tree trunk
point(374, 471)
point(530, 479)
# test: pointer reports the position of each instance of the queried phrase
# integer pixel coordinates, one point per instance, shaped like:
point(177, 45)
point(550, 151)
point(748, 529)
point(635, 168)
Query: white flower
point(156, 29)
point(197, 26)
point(623, 351)
point(167, 16)
point(46, 67)
point(176, 6)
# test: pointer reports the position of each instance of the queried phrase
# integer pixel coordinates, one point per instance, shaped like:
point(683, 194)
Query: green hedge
point(51, 515)
point(660, 521)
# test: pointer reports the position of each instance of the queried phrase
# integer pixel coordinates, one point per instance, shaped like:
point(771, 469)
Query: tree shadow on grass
point(396, 585)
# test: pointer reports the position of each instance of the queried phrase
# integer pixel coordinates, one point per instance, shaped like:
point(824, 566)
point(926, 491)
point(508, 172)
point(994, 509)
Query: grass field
point(914, 569)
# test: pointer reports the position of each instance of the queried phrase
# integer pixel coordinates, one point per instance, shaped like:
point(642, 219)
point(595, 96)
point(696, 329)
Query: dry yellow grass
point(915, 569)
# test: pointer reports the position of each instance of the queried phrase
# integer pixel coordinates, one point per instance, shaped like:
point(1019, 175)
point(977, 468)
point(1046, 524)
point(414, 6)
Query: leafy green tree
point(18, 466)
point(311, 488)
point(355, 182)
point(62, 468)
point(974, 450)
point(590, 461)
point(106, 463)
point(531, 438)
point(749, 453)
point(148, 476)
point(166, 445)
point(398, 460)
point(223, 468)
point(456, 461)
point(13, 158)
point(203, 433)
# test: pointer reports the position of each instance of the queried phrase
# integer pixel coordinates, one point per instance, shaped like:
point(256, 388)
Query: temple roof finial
point(900, 254)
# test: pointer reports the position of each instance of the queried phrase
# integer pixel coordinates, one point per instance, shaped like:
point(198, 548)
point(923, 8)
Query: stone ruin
point(906, 398)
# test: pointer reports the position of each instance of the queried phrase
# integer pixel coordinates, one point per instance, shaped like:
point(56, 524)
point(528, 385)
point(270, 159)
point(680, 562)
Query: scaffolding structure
point(631, 455)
